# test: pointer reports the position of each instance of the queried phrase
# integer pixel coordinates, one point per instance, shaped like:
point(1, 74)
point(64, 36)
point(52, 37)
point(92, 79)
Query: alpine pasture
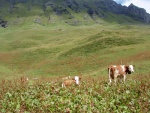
point(45, 54)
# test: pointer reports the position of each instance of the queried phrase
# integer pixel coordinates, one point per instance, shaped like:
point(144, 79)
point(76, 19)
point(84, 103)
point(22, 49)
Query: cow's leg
point(116, 75)
point(124, 78)
point(115, 80)
point(109, 81)
point(121, 79)
point(63, 85)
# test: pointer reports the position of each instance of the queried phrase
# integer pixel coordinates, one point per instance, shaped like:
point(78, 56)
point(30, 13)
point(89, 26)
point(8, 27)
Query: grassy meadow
point(46, 53)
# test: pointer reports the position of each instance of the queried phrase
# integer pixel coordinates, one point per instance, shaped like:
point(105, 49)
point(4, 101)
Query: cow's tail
point(109, 72)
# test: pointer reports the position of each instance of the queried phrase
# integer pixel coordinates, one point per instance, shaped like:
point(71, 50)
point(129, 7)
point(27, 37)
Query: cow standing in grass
point(69, 82)
point(119, 71)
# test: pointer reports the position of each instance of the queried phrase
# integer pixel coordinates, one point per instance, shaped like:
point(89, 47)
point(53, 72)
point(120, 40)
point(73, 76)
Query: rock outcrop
point(138, 14)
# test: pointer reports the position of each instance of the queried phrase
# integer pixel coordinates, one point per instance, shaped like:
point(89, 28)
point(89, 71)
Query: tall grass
point(93, 95)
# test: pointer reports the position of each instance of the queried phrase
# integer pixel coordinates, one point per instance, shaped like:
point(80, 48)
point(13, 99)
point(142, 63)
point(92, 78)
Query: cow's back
point(69, 82)
point(116, 70)
point(121, 69)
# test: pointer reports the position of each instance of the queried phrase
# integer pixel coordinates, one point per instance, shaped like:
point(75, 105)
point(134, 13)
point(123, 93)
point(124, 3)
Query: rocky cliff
point(139, 14)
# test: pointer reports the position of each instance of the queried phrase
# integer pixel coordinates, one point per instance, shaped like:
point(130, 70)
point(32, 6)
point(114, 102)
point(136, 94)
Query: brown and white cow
point(24, 79)
point(70, 82)
point(119, 71)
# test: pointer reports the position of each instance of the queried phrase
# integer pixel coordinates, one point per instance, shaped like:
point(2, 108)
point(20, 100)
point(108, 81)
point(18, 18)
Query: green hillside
point(35, 50)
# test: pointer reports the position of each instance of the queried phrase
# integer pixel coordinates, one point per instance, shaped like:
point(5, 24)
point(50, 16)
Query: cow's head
point(130, 69)
point(76, 78)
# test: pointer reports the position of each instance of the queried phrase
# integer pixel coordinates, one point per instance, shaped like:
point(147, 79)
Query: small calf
point(70, 82)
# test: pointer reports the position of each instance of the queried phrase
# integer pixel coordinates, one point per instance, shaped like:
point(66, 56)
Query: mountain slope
point(73, 12)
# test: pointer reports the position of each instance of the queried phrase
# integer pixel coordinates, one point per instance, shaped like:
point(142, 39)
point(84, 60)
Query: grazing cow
point(119, 71)
point(24, 80)
point(70, 82)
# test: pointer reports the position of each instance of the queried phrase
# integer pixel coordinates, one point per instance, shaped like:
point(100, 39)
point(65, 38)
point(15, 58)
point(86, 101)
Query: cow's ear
point(133, 65)
point(79, 78)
